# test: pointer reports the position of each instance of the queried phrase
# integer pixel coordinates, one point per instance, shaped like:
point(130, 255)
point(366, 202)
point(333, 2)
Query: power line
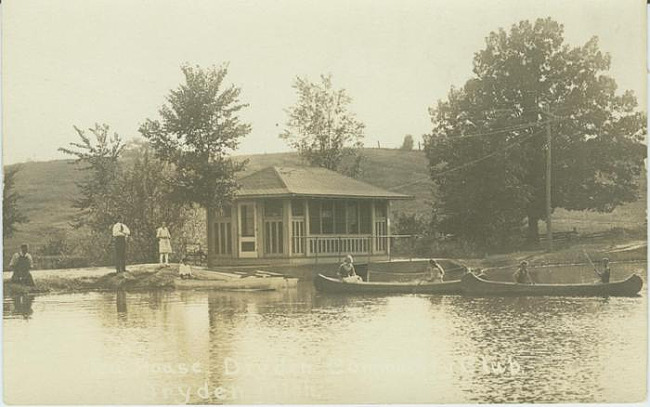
point(429, 178)
point(504, 130)
point(492, 154)
point(506, 148)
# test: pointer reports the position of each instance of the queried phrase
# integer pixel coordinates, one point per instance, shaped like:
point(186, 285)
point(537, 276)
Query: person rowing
point(435, 272)
point(346, 271)
point(605, 273)
point(522, 275)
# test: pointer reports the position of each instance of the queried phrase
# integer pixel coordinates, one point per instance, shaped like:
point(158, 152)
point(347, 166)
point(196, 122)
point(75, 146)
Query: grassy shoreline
point(158, 277)
point(143, 277)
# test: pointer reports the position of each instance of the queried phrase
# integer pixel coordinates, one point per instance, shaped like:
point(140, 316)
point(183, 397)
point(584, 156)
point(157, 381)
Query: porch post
point(373, 229)
point(389, 239)
point(287, 219)
point(234, 229)
point(209, 221)
point(260, 238)
point(307, 241)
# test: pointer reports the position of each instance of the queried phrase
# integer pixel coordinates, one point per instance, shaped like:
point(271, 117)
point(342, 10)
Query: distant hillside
point(48, 188)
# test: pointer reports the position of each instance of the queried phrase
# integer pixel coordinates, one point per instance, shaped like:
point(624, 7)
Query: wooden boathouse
point(301, 215)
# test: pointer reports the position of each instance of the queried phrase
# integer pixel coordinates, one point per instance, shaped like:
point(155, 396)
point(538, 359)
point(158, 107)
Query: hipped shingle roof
point(308, 181)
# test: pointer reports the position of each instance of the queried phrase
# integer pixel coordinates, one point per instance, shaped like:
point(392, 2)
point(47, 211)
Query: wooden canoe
point(242, 284)
point(334, 285)
point(474, 285)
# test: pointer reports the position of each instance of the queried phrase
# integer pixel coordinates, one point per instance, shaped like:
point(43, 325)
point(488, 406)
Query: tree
point(321, 127)
point(148, 200)
point(11, 213)
point(137, 189)
point(487, 150)
point(199, 128)
point(98, 154)
point(407, 144)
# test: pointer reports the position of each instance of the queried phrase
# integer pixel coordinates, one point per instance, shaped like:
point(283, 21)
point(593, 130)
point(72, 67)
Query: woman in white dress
point(164, 243)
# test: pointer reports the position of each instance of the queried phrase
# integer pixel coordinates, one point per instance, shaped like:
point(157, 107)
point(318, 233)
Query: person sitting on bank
point(185, 270)
point(606, 273)
point(21, 263)
point(435, 272)
point(346, 270)
point(522, 275)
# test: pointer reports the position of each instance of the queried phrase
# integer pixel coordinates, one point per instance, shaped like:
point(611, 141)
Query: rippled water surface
point(299, 346)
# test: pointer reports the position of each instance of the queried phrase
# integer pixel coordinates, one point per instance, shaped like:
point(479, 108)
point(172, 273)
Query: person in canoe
point(21, 263)
point(346, 271)
point(522, 275)
point(435, 272)
point(605, 273)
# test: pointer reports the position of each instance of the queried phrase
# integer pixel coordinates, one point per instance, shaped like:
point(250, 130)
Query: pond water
point(300, 346)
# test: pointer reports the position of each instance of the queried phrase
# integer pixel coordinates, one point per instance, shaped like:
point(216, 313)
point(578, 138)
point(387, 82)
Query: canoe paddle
point(591, 262)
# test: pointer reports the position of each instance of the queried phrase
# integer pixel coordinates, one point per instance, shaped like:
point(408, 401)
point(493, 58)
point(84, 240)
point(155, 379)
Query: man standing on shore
point(120, 233)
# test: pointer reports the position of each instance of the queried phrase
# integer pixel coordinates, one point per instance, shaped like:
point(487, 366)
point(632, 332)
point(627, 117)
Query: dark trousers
point(23, 277)
point(120, 253)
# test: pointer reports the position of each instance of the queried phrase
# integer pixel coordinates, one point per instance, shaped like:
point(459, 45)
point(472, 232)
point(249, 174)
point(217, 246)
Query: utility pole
point(549, 228)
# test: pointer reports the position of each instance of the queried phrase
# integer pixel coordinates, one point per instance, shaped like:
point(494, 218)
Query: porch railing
point(324, 245)
point(345, 244)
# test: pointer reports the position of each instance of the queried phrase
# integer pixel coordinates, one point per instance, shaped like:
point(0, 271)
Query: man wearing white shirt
point(120, 233)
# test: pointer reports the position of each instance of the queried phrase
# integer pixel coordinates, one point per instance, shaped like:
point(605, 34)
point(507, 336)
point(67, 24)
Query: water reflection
point(120, 301)
point(299, 346)
point(20, 305)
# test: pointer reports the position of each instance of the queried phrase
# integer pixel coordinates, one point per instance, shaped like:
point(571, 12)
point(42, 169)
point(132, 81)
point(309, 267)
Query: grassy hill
point(48, 189)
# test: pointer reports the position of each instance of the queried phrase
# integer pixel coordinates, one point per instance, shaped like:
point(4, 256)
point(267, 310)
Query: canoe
point(242, 284)
point(334, 285)
point(473, 285)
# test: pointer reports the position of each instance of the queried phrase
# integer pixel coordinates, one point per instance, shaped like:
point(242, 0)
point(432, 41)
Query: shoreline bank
point(143, 277)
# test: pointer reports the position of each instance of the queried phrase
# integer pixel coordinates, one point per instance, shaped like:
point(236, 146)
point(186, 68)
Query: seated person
point(185, 270)
point(21, 263)
point(522, 275)
point(346, 271)
point(434, 272)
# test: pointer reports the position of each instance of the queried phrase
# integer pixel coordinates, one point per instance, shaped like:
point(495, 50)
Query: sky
point(72, 63)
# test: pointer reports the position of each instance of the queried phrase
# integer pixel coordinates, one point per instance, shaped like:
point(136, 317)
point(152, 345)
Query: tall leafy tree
point(199, 127)
point(11, 212)
point(322, 128)
point(147, 192)
point(124, 181)
point(487, 150)
point(98, 154)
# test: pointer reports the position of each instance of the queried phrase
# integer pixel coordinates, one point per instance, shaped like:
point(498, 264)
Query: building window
point(247, 220)
point(365, 218)
point(314, 217)
point(380, 209)
point(327, 217)
point(353, 218)
point(339, 218)
point(297, 208)
point(273, 209)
